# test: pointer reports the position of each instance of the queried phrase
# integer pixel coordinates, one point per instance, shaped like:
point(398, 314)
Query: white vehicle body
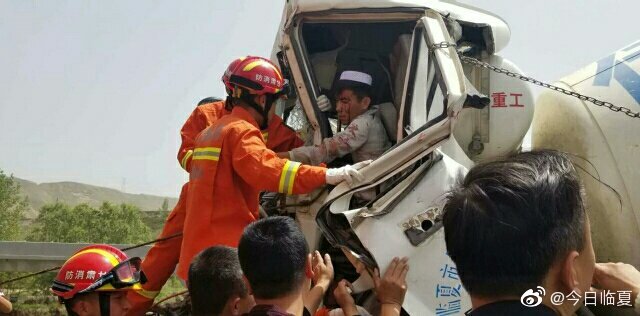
point(606, 145)
point(428, 87)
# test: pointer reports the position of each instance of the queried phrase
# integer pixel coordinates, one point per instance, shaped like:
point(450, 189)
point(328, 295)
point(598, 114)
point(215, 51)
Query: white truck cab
point(442, 116)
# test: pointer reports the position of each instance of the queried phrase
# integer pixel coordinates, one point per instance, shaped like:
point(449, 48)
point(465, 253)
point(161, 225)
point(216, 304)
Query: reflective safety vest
point(202, 117)
point(278, 136)
point(230, 166)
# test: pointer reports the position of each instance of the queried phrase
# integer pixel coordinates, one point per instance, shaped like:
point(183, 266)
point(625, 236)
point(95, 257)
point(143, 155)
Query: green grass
point(154, 220)
point(171, 287)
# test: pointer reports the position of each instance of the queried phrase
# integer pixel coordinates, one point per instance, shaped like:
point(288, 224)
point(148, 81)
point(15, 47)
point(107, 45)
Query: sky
point(96, 91)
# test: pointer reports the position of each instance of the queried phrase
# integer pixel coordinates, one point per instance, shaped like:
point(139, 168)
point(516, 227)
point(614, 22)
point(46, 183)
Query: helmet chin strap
point(104, 299)
point(228, 103)
point(247, 98)
point(271, 99)
point(264, 112)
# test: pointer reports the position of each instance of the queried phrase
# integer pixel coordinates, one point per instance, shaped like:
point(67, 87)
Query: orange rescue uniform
point(279, 137)
point(202, 117)
point(162, 259)
point(230, 166)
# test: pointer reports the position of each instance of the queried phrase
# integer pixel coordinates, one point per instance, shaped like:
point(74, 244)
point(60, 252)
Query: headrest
point(389, 117)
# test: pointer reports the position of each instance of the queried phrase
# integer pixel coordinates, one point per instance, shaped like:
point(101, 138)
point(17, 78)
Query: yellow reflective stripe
point(265, 135)
point(136, 287)
point(206, 153)
point(186, 157)
point(204, 149)
point(106, 287)
point(257, 63)
point(111, 257)
point(288, 176)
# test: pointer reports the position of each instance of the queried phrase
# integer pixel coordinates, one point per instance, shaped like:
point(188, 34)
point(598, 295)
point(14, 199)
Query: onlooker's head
point(95, 281)
point(518, 223)
point(208, 100)
point(353, 94)
point(273, 256)
point(215, 283)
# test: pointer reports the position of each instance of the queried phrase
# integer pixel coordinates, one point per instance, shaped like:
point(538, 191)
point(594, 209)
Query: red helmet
point(97, 268)
point(227, 73)
point(256, 74)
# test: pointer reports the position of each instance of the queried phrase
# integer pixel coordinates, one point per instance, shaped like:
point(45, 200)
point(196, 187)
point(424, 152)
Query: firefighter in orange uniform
point(278, 136)
point(208, 111)
point(162, 259)
point(230, 165)
point(96, 280)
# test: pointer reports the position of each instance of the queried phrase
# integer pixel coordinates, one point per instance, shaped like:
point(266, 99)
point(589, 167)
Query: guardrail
point(23, 256)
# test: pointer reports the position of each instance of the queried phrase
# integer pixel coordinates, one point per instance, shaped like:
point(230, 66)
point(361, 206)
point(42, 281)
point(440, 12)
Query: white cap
point(356, 76)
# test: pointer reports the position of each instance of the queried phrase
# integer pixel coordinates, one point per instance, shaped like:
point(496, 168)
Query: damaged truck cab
point(440, 115)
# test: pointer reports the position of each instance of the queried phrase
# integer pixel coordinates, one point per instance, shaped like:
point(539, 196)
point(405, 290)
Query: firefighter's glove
point(323, 103)
point(348, 173)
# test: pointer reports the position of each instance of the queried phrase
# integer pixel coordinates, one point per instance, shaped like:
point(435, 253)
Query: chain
point(481, 64)
point(465, 59)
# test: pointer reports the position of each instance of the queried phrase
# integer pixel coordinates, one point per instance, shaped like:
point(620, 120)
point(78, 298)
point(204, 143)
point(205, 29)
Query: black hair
point(510, 219)
point(208, 100)
point(214, 277)
point(273, 254)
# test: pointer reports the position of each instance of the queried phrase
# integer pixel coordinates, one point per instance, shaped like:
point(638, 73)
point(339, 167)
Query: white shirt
point(364, 138)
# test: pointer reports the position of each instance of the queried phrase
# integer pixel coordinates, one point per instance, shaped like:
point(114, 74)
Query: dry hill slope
point(74, 193)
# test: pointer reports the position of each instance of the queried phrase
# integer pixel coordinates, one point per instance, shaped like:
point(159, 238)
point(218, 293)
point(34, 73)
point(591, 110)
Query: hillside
point(74, 193)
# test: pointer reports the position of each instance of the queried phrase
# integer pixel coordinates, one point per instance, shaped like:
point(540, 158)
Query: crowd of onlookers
point(511, 226)
point(282, 277)
point(516, 228)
